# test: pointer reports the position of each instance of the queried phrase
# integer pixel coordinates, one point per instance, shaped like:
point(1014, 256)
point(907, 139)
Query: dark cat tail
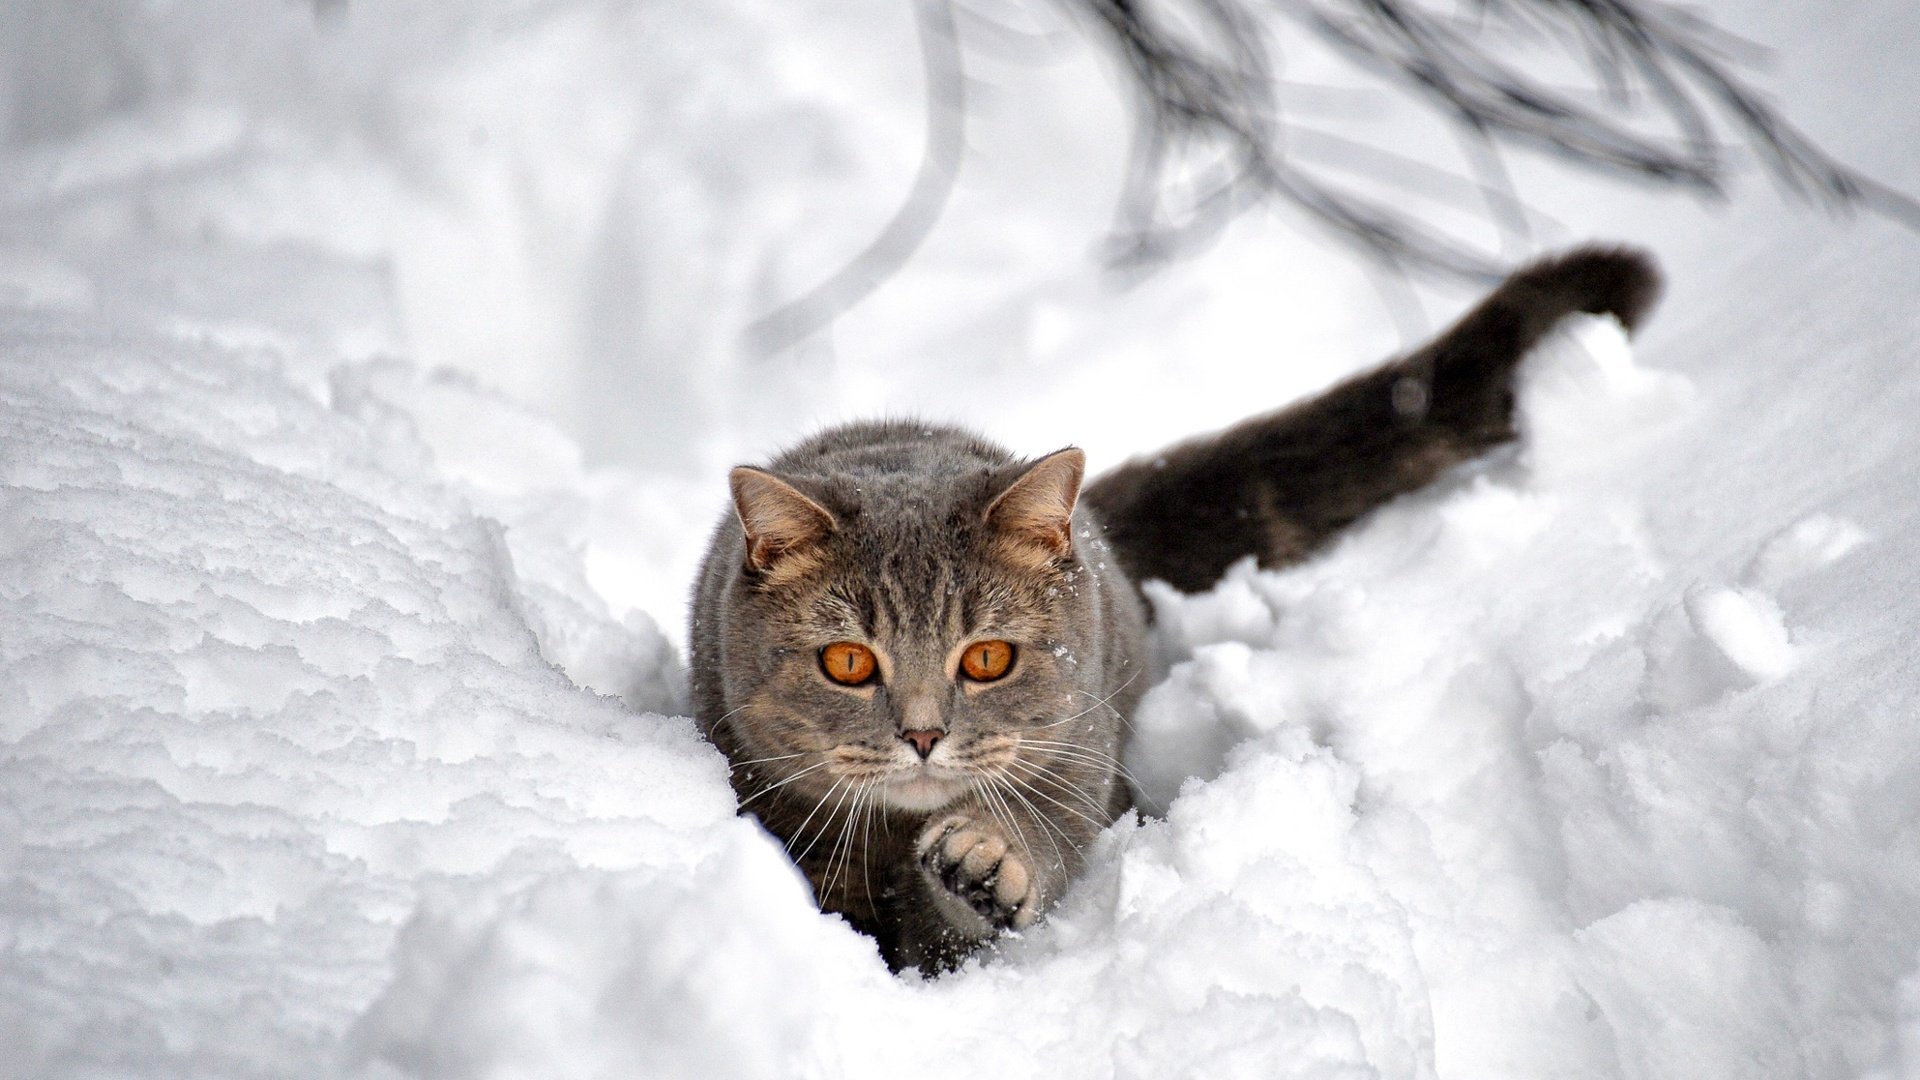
point(1278, 486)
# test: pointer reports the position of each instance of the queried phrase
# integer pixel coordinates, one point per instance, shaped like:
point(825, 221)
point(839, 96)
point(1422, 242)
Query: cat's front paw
point(976, 864)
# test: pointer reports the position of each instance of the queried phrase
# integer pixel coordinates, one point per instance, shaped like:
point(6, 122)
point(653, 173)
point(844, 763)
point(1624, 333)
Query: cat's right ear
point(778, 519)
point(1036, 510)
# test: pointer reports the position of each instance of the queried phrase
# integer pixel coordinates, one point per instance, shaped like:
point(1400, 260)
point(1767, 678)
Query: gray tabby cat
point(920, 652)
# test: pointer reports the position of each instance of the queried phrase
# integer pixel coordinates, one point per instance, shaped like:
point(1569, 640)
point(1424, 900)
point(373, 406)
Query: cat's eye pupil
point(985, 661)
point(848, 663)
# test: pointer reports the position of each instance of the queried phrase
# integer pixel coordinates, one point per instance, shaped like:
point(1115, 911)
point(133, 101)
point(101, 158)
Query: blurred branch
point(925, 202)
point(1210, 140)
point(1205, 96)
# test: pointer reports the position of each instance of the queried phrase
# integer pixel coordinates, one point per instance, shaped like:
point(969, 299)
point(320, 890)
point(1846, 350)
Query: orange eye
point(985, 661)
point(847, 663)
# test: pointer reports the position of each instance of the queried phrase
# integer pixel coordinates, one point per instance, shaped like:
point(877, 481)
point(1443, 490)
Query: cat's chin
point(918, 791)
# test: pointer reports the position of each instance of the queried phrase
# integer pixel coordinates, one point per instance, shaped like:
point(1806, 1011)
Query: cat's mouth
point(922, 788)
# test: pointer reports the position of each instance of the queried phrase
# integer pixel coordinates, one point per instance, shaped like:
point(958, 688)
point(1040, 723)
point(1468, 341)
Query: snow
point(364, 394)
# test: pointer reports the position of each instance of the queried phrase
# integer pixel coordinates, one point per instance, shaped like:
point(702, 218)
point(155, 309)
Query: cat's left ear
point(776, 517)
point(1038, 507)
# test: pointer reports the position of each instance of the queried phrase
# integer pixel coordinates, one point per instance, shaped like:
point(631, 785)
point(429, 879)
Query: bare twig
point(917, 215)
point(1202, 96)
point(1210, 141)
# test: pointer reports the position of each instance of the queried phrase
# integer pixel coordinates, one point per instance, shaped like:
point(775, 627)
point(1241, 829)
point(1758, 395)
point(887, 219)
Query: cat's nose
point(922, 740)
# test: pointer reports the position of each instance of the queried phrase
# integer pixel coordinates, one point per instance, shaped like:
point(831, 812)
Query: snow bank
point(338, 723)
point(1419, 823)
point(1577, 776)
point(266, 675)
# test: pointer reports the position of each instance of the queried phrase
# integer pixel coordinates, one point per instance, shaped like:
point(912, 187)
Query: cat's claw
point(973, 860)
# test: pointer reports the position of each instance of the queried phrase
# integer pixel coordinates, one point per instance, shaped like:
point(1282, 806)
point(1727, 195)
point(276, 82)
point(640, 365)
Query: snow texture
point(366, 382)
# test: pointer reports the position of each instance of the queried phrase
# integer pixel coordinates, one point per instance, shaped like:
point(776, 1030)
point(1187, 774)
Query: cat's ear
point(778, 519)
point(1038, 507)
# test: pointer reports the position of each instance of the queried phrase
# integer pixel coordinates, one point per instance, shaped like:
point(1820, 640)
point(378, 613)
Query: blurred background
point(685, 234)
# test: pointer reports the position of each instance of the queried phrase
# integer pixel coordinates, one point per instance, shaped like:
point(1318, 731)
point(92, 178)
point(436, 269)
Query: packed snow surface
point(366, 384)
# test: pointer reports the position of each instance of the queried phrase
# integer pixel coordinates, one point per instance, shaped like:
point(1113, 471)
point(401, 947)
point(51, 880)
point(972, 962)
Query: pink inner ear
point(1038, 507)
point(776, 516)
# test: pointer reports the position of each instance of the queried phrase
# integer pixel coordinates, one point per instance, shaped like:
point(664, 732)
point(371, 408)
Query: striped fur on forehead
point(945, 603)
point(836, 611)
point(1011, 606)
point(915, 562)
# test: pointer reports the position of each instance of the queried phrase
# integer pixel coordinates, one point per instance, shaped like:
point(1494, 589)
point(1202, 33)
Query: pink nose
point(922, 741)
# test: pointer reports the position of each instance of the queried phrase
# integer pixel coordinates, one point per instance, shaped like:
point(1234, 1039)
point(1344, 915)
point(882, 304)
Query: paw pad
point(973, 860)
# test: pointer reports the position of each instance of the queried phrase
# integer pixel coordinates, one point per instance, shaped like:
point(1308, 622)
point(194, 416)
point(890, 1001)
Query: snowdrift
point(332, 742)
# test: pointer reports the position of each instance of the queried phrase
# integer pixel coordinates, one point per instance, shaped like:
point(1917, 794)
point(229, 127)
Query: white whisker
point(783, 783)
point(763, 760)
point(1098, 703)
point(1083, 796)
point(1047, 827)
point(1084, 755)
point(844, 843)
point(802, 830)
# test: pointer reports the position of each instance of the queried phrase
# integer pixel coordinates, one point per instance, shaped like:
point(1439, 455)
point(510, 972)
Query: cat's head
point(903, 638)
